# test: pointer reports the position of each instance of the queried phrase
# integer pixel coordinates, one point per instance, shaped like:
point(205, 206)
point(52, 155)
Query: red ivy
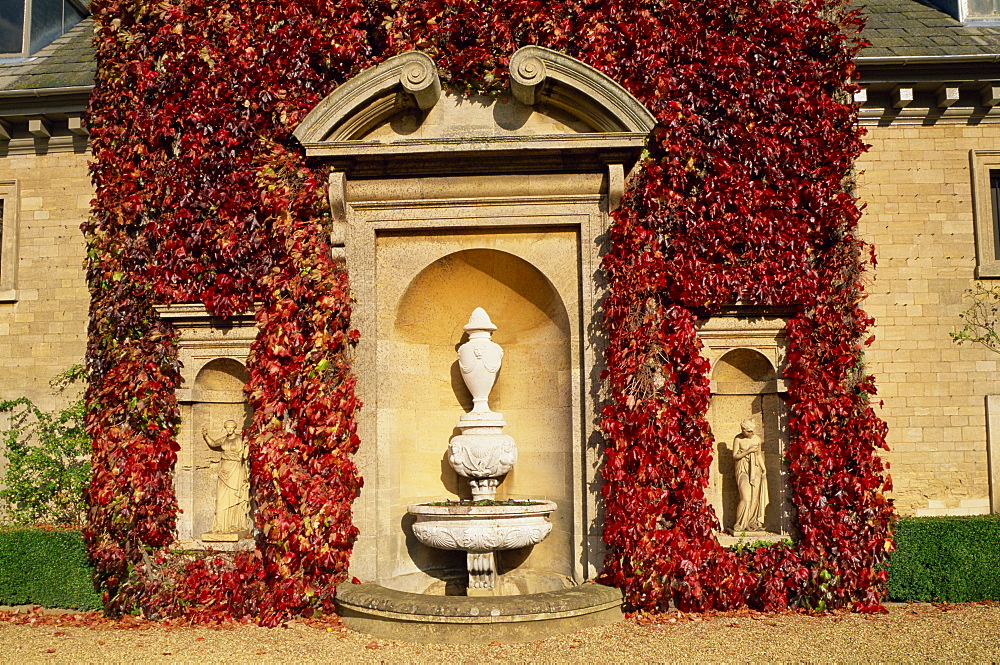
point(744, 199)
point(203, 195)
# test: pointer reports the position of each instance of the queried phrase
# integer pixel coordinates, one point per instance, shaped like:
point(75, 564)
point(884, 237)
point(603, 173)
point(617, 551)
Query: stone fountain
point(495, 607)
point(483, 454)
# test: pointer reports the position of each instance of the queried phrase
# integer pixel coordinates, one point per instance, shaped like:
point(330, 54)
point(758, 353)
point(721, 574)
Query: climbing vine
point(204, 196)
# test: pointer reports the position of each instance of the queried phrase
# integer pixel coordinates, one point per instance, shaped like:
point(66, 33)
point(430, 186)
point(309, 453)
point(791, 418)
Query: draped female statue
point(232, 493)
point(751, 479)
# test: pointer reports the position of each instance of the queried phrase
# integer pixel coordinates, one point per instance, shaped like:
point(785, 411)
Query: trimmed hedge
point(47, 568)
point(953, 559)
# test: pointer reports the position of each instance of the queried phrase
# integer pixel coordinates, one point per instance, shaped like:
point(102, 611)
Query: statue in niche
point(751, 479)
point(232, 493)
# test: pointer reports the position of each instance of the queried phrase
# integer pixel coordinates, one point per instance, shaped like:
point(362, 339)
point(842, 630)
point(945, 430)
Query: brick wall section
point(917, 187)
point(44, 332)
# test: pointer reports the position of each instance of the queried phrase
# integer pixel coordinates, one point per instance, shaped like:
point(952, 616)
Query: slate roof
point(895, 28)
point(916, 28)
point(66, 62)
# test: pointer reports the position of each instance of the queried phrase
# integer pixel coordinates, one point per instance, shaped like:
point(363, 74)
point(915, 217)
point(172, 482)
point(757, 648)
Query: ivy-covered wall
point(204, 196)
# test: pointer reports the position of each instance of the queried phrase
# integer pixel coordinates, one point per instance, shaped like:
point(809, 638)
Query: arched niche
point(422, 395)
point(217, 397)
point(744, 387)
point(222, 374)
point(212, 353)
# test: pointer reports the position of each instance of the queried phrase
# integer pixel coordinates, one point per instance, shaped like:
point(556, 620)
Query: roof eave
point(902, 60)
point(34, 93)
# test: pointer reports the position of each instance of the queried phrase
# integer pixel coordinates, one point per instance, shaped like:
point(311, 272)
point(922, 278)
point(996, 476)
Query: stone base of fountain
point(413, 617)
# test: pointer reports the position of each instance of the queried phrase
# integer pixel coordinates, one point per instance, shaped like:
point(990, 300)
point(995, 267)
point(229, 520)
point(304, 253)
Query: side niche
point(211, 476)
point(221, 489)
point(748, 416)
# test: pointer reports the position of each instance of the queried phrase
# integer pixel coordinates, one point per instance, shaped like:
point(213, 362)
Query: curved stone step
point(413, 617)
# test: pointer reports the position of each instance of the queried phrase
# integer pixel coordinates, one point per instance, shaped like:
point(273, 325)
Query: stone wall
point(43, 331)
point(916, 182)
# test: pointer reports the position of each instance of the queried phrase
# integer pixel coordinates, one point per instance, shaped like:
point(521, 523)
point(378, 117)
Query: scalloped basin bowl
point(481, 528)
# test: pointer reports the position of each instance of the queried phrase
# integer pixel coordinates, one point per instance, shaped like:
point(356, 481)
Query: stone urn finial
point(480, 359)
point(482, 452)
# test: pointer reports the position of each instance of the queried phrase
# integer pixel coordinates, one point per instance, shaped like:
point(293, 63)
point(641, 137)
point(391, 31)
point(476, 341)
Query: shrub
point(45, 567)
point(49, 460)
point(953, 559)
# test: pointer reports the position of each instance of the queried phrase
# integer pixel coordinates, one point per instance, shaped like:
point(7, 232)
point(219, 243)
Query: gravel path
point(910, 632)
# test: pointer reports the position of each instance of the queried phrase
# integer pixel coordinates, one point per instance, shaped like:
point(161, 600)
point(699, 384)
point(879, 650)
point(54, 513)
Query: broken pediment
point(559, 114)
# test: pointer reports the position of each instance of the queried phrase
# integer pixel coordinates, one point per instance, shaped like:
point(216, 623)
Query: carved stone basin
point(481, 531)
point(482, 528)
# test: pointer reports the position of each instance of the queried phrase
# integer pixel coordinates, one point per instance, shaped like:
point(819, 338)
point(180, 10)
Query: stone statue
point(751, 479)
point(232, 493)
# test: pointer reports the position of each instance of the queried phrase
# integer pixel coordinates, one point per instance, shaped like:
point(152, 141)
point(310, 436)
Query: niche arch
point(422, 395)
point(743, 366)
point(217, 397)
point(744, 387)
point(222, 374)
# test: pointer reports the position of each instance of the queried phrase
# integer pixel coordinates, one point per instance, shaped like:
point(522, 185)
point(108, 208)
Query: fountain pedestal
point(483, 454)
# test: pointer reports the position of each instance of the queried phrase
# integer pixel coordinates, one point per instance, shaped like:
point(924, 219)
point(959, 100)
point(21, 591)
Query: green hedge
point(47, 568)
point(953, 559)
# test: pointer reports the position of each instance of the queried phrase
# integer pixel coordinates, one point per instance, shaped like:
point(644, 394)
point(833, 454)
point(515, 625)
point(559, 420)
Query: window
point(27, 26)
point(8, 241)
point(986, 210)
point(972, 12)
point(11, 27)
point(995, 205)
point(981, 10)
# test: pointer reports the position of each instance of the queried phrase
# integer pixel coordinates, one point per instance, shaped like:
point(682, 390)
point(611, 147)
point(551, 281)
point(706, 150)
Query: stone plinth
point(413, 617)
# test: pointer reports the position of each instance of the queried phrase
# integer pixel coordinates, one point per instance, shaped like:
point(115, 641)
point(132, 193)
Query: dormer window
point(28, 26)
point(972, 12)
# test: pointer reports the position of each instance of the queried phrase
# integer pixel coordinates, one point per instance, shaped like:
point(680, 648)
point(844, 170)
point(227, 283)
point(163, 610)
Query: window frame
point(26, 28)
point(984, 214)
point(9, 241)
